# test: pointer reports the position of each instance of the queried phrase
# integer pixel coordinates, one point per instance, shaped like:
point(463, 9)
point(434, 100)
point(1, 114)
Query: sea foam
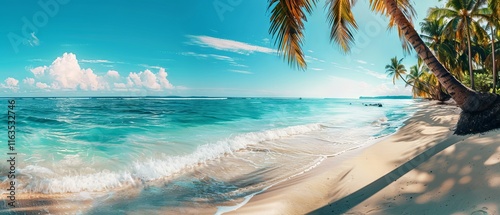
point(44, 180)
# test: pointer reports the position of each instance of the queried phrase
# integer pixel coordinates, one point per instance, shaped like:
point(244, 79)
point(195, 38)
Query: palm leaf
point(342, 22)
point(287, 28)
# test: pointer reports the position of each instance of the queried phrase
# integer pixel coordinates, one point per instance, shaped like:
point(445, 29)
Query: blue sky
point(186, 48)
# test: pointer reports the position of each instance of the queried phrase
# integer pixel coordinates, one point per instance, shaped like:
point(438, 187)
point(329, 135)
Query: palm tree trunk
point(457, 90)
point(480, 111)
point(495, 75)
point(471, 72)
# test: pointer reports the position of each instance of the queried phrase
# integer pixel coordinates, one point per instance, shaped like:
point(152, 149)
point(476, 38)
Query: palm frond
point(342, 22)
point(287, 28)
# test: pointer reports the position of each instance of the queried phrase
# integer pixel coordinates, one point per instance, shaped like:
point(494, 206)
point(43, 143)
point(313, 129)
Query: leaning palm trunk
point(480, 111)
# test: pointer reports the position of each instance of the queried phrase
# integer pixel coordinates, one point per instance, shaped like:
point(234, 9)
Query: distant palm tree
point(396, 69)
point(424, 83)
point(288, 19)
point(462, 24)
point(420, 86)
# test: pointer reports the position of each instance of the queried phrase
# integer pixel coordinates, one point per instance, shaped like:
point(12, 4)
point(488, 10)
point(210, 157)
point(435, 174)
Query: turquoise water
point(199, 149)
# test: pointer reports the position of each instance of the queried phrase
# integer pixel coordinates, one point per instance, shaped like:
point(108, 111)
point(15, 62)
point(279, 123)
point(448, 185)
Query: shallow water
point(180, 154)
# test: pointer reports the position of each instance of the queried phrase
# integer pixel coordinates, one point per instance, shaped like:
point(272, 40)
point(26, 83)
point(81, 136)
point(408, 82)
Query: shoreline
point(359, 182)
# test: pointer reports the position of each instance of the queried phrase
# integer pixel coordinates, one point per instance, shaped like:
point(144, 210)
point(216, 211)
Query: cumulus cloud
point(113, 74)
point(148, 80)
point(10, 83)
point(39, 70)
point(66, 74)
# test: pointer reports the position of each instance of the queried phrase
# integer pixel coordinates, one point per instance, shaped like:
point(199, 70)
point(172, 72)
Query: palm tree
point(396, 70)
point(287, 27)
point(447, 51)
point(417, 78)
point(461, 23)
point(492, 16)
point(432, 30)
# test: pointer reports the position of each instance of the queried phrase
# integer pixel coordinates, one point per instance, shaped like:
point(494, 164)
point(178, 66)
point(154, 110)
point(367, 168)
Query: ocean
point(130, 155)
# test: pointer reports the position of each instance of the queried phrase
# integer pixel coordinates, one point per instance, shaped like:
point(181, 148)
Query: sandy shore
point(422, 169)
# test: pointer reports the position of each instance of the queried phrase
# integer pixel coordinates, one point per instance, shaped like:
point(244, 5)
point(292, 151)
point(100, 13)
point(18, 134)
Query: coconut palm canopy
point(396, 69)
point(288, 18)
point(287, 27)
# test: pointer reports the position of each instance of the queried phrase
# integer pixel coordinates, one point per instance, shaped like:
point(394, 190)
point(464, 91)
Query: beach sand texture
point(422, 169)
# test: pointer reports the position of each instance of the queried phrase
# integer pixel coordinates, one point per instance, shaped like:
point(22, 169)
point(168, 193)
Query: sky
point(186, 48)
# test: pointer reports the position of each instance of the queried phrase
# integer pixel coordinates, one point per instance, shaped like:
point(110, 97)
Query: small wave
point(383, 121)
point(44, 120)
point(43, 180)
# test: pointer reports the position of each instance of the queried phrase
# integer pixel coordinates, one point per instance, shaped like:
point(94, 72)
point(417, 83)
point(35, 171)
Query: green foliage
point(484, 82)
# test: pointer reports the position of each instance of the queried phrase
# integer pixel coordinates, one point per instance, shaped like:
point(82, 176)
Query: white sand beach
point(422, 169)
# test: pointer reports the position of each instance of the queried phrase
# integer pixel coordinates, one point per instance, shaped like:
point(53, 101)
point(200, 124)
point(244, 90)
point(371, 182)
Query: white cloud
point(36, 60)
point(42, 86)
point(310, 51)
point(229, 45)
point(113, 74)
point(317, 69)
point(231, 60)
point(194, 54)
point(66, 74)
point(373, 73)
point(95, 61)
point(150, 67)
point(148, 80)
point(33, 41)
point(241, 71)
point(162, 78)
point(29, 81)
point(39, 70)
point(361, 62)
point(376, 74)
point(309, 59)
point(10, 83)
